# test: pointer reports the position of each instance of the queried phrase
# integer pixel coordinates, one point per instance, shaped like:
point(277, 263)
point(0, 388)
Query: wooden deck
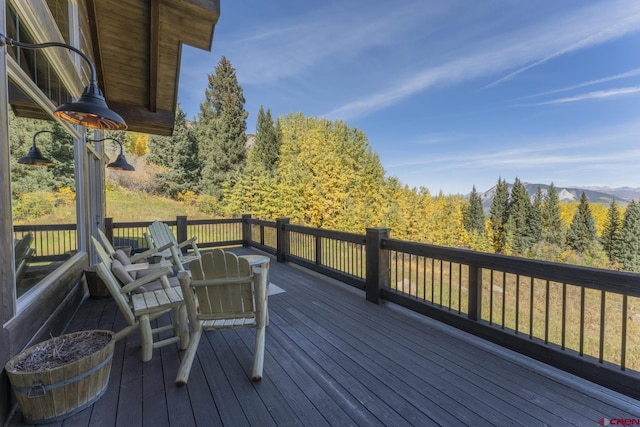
point(332, 358)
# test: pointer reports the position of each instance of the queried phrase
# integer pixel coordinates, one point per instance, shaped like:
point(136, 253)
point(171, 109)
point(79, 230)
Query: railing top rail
point(330, 234)
point(44, 227)
point(214, 221)
point(262, 222)
point(134, 224)
point(620, 282)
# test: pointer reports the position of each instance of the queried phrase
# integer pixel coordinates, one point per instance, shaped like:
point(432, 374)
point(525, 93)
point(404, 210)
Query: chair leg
point(146, 338)
point(181, 325)
point(189, 355)
point(258, 354)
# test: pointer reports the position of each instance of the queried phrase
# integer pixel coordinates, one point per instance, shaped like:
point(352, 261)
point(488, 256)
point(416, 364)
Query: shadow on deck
point(332, 358)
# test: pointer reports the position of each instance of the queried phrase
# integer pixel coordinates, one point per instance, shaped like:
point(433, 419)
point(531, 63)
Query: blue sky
point(450, 93)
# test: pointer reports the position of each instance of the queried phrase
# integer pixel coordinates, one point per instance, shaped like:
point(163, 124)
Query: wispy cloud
point(600, 94)
point(587, 147)
point(626, 74)
point(334, 31)
point(524, 48)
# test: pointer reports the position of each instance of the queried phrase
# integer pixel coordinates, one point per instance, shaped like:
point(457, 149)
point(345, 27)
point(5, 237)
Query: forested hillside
point(323, 173)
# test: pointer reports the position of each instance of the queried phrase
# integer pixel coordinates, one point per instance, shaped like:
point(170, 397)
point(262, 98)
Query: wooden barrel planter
point(61, 376)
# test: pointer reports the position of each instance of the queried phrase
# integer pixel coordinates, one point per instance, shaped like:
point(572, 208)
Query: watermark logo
point(619, 421)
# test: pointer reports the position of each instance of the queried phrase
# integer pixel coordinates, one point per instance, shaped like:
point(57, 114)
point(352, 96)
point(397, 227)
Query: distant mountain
point(603, 195)
point(626, 193)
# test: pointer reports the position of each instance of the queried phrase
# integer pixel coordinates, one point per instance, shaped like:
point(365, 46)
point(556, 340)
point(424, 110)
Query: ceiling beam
point(140, 119)
point(154, 54)
point(95, 43)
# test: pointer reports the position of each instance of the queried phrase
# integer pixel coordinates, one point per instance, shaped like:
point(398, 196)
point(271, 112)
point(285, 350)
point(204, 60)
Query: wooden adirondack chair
point(23, 253)
point(161, 236)
point(139, 309)
point(111, 251)
point(222, 293)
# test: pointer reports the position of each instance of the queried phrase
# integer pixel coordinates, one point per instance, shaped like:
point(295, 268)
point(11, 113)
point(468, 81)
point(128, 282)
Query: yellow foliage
point(65, 196)
point(598, 211)
point(189, 197)
point(137, 143)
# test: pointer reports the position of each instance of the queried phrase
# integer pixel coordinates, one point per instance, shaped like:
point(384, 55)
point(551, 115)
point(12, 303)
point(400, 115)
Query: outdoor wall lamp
point(35, 157)
point(121, 163)
point(90, 110)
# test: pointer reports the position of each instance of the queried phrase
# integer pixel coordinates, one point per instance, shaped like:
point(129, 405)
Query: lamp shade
point(121, 164)
point(35, 158)
point(91, 111)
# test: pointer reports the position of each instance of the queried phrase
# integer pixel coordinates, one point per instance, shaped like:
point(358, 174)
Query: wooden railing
point(51, 242)
point(584, 321)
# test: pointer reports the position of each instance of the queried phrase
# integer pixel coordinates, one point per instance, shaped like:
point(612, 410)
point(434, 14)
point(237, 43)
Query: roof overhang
point(137, 47)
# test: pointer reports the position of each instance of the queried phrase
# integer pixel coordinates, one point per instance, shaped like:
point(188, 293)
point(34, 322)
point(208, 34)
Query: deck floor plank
point(439, 371)
point(332, 358)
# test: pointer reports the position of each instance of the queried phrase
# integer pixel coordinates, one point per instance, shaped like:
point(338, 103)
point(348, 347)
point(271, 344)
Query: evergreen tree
point(582, 232)
point(535, 219)
point(628, 249)
point(57, 147)
point(179, 155)
point(222, 125)
point(552, 227)
point(62, 154)
point(519, 214)
point(268, 140)
point(473, 216)
point(498, 216)
point(610, 238)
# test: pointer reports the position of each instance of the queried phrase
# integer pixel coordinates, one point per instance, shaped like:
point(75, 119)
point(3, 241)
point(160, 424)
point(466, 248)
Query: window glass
point(43, 200)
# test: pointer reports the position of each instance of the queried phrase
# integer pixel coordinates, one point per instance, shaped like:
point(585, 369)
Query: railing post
point(475, 293)
point(282, 249)
point(377, 263)
point(181, 232)
point(318, 250)
point(246, 230)
point(108, 229)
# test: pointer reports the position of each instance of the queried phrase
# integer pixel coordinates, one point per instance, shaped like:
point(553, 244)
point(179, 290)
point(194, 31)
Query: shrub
point(207, 204)
point(34, 205)
point(65, 196)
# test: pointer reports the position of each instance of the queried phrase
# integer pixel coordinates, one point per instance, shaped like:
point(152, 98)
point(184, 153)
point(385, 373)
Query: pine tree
point(535, 219)
point(222, 125)
point(582, 232)
point(179, 155)
point(498, 216)
point(629, 244)
point(268, 140)
point(610, 238)
point(519, 214)
point(473, 216)
point(552, 226)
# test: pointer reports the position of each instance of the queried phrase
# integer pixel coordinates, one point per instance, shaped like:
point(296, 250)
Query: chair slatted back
point(106, 244)
point(162, 234)
point(223, 285)
point(113, 286)
point(102, 253)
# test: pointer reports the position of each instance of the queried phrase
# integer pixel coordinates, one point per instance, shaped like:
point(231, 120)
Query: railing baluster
point(504, 295)
point(491, 297)
point(531, 308)
point(582, 291)
point(564, 315)
point(623, 345)
point(517, 325)
point(602, 324)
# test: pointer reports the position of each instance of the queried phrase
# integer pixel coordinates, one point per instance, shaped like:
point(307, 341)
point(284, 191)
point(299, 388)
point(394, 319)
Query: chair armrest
point(191, 241)
point(149, 252)
point(145, 279)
